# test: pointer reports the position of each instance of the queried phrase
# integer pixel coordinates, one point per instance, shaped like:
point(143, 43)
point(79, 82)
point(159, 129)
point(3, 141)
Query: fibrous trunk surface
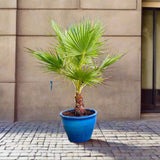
point(79, 108)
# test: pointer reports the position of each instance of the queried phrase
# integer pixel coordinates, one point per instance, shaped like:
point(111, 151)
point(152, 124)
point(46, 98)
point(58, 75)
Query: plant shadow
point(121, 151)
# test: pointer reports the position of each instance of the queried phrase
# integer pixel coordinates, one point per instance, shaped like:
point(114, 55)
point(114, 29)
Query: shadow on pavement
point(121, 151)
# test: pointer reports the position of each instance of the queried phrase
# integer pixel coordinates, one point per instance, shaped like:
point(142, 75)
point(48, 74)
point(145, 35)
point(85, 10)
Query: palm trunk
point(79, 108)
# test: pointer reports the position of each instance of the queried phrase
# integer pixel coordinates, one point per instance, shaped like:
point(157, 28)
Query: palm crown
point(74, 53)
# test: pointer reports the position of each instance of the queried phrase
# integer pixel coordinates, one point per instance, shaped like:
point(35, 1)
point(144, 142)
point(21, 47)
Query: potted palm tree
point(73, 56)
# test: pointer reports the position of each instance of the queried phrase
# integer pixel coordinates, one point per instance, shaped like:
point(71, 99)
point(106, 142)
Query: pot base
point(78, 139)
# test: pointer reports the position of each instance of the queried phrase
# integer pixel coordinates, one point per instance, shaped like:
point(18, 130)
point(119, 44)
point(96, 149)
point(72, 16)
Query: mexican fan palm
point(73, 56)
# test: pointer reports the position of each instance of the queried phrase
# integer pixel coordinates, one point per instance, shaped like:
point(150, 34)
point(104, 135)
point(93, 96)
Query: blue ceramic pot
point(79, 129)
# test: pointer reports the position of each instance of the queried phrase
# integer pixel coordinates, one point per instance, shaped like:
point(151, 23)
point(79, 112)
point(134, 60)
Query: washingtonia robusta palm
point(73, 56)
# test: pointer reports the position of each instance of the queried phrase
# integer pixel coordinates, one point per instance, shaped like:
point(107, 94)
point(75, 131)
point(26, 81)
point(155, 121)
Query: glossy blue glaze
point(79, 129)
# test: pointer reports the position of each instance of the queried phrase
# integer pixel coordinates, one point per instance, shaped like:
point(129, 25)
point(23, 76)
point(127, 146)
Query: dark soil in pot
point(72, 113)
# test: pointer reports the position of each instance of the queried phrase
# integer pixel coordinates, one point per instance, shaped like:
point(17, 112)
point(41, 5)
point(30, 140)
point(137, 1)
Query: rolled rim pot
point(79, 129)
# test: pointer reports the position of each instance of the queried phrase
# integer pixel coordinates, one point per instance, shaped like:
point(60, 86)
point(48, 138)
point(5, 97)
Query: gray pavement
point(115, 140)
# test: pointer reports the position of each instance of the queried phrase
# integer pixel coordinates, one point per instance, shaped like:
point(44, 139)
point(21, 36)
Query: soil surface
point(72, 113)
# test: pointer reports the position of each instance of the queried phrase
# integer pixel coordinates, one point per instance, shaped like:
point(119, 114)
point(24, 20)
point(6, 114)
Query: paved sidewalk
point(136, 140)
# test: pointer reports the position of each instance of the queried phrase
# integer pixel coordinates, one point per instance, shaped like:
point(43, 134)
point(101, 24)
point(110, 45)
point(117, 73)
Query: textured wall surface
point(119, 99)
point(7, 58)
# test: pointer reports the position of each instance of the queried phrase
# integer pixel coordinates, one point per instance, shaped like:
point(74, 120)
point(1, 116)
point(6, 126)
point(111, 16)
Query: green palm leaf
point(85, 75)
point(51, 61)
point(109, 60)
point(74, 53)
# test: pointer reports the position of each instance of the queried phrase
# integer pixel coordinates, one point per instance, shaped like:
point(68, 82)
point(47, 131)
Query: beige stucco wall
point(7, 59)
point(31, 97)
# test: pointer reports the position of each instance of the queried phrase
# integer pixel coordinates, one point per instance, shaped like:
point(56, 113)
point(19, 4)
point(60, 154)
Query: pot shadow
point(120, 151)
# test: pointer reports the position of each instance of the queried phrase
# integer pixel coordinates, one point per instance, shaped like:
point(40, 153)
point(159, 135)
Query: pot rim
point(78, 118)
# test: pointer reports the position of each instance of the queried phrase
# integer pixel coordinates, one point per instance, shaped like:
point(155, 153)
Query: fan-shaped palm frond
point(108, 61)
point(74, 52)
point(51, 61)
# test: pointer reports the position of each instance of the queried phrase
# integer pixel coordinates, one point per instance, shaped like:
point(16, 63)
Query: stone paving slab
point(114, 140)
